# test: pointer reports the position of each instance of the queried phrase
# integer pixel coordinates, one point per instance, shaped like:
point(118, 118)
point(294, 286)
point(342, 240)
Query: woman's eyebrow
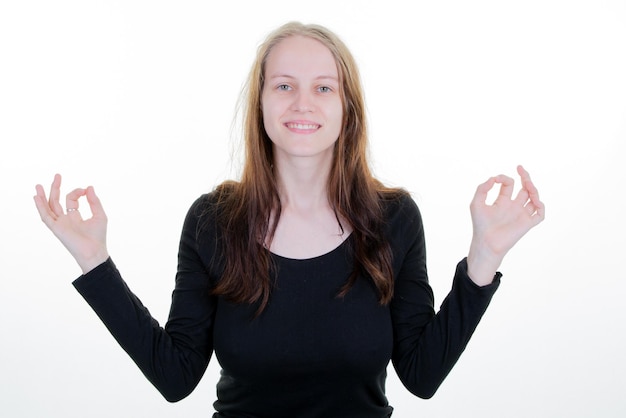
point(320, 77)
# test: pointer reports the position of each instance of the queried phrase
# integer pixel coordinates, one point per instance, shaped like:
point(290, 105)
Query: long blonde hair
point(244, 207)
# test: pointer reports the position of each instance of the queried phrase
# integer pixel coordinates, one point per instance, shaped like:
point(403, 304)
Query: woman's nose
point(303, 102)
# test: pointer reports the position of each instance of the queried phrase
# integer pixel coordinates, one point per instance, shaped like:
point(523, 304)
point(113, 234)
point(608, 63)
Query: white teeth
point(301, 126)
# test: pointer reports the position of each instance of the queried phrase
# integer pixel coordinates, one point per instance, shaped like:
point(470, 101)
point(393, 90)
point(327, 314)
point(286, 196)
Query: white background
point(138, 98)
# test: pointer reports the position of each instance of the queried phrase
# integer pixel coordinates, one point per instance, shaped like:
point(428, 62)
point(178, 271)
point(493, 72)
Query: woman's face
point(301, 101)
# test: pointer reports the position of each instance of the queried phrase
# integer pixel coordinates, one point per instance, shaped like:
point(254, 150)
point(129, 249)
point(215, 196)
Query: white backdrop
point(137, 98)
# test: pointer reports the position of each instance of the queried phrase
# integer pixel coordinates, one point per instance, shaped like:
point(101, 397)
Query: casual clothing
point(309, 353)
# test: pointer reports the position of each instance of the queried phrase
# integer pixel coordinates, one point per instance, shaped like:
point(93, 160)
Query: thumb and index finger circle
point(72, 201)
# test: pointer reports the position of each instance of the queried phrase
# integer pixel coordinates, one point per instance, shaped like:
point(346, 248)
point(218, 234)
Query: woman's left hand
point(497, 227)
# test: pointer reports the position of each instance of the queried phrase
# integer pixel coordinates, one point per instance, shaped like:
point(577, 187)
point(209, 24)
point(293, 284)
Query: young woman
point(307, 275)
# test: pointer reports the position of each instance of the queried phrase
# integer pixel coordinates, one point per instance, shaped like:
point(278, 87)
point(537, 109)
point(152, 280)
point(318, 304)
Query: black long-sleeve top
point(310, 353)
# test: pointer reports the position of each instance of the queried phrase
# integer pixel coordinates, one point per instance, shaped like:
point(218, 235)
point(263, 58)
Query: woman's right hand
point(85, 239)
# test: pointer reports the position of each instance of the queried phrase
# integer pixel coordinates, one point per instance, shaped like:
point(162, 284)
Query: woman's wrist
point(482, 264)
point(91, 263)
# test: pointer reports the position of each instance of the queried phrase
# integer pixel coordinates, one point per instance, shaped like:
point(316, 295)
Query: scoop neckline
point(317, 257)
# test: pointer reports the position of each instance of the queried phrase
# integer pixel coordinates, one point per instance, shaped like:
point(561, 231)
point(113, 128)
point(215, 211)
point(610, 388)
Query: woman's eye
point(283, 87)
point(324, 89)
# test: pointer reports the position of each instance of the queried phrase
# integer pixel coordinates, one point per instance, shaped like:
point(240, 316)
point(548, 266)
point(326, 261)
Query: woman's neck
point(308, 225)
point(302, 183)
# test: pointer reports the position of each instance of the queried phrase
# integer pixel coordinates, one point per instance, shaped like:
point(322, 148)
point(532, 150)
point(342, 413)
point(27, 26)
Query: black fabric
point(310, 353)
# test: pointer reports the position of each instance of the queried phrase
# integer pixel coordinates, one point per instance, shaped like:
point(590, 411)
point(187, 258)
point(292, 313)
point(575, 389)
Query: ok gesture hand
point(497, 227)
point(85, 239)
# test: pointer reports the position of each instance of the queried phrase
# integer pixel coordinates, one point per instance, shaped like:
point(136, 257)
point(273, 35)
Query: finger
point(94, 203)
point(40, 192)
point(540, 213)
point(530, 208)
point(537, 213)
point(46, 214)
point(482, 191)
point(55, 192)
point(506, 186)
point(522, 197)
point(528, 184)
point(71, 201)
point(533, 194)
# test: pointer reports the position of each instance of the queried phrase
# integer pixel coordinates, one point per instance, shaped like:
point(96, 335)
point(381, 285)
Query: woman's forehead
point(300, 56)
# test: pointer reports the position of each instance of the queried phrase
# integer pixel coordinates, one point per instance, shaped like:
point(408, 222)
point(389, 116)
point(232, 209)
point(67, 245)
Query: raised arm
point(174, 357)
point(427, 344)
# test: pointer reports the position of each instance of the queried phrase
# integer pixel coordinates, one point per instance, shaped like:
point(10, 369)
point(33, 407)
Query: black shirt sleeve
point(427, 345)
point(173, 358)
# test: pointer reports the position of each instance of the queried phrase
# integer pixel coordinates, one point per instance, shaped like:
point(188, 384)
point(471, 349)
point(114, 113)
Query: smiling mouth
point(302, 126)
